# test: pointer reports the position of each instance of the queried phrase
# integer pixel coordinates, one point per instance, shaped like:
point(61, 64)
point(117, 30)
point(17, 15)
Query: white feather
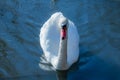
point(50, 38)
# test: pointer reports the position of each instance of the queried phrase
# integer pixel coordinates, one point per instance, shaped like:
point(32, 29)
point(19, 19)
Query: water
point(97, 22)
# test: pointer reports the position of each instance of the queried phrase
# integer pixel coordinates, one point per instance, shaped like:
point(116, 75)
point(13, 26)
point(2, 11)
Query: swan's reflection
point(61, 75)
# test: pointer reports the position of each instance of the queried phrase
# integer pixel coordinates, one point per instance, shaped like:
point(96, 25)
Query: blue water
point(98, 24)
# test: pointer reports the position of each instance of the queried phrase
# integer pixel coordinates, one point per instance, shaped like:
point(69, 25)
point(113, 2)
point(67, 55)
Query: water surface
point(98, 24)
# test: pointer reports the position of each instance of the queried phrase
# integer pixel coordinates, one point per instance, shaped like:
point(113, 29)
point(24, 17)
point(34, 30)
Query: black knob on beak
point(64, 26)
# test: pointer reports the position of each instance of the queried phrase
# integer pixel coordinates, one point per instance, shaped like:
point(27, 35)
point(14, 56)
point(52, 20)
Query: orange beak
point(63, 32)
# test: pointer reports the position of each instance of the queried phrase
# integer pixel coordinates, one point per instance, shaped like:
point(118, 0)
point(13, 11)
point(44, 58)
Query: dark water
point(98, 24)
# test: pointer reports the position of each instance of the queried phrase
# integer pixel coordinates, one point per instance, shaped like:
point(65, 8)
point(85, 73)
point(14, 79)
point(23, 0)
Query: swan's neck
point(62, 54)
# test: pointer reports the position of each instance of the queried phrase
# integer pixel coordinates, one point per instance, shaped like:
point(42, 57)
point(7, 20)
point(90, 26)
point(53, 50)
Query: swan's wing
point(73, 43)
point(49, 39)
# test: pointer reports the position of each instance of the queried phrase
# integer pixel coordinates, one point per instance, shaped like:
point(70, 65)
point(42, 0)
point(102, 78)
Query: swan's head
point(63, 25)
point(63, 22)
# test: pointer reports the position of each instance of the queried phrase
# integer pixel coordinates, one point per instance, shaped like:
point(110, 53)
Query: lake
point(98, 24)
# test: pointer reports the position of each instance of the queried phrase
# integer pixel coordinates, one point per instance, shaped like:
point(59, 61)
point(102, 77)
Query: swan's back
point(50, 38)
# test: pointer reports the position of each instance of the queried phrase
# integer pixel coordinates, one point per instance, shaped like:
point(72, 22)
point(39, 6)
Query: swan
point(59, 41)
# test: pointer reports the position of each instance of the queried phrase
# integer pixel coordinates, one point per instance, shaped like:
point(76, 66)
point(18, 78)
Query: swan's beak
point(63, 32)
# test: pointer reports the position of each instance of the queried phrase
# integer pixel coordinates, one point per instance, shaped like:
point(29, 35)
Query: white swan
point(59, 40)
